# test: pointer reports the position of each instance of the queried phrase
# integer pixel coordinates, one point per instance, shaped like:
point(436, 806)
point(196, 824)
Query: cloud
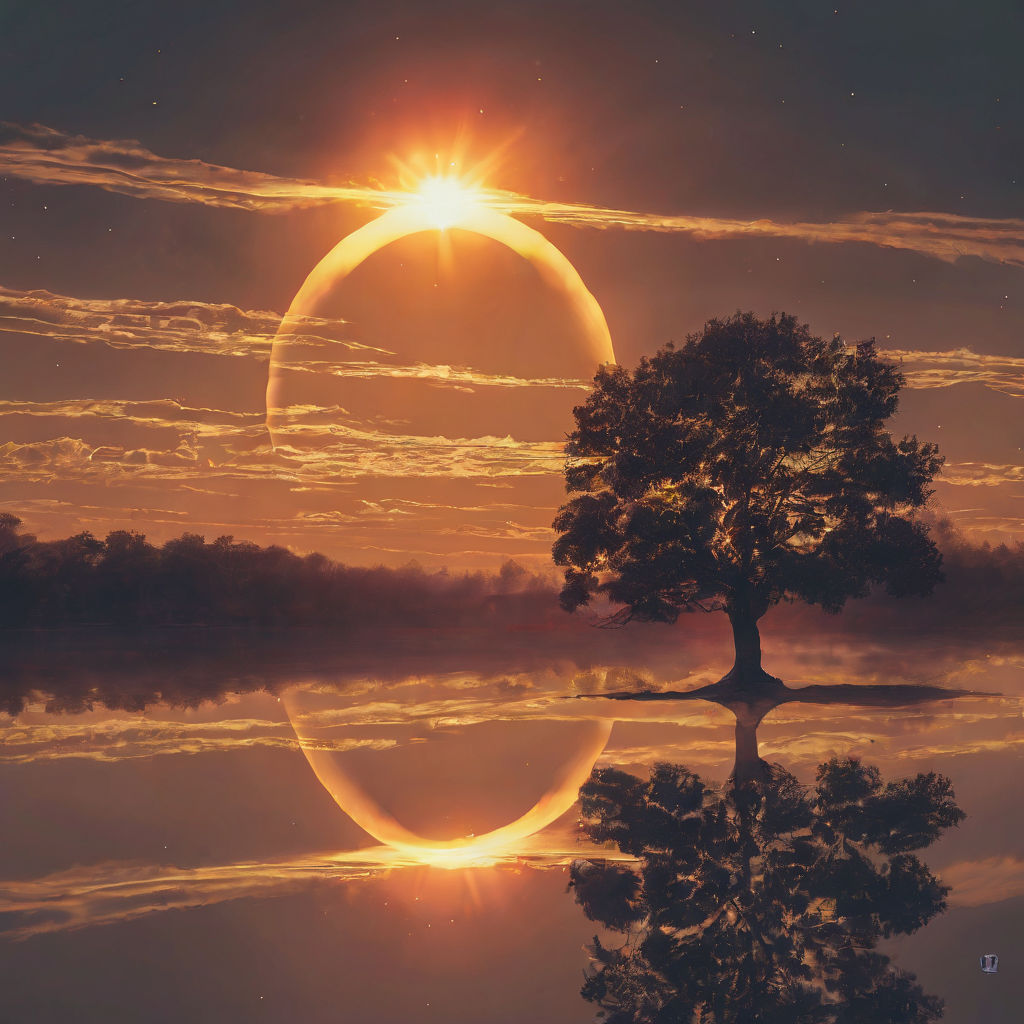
point(113, 892)
point(315, 446)
point(981, 474)
point(128, 739)
point(943, 236)
point(123, 446)
point(186, 325)
point(160, 414)
point(926, 370)
point(463, 378)
point(46, 156)
point(194, 327)
point(978, 882)
point(997, 528)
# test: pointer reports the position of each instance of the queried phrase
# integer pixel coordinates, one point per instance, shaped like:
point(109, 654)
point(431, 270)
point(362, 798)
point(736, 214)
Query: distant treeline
point(126, 581)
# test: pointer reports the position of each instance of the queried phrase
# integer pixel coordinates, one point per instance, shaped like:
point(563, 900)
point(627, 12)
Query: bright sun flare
point(446, 201)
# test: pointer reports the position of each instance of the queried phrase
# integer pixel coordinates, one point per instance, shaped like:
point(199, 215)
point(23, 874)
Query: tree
point(125, 576)
point(762, 902)
point(16, 551)
point(749, 466)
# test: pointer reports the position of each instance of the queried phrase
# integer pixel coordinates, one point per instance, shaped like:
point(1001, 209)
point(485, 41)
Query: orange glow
point(440, 203)
point(446, 201)
point(470, 851)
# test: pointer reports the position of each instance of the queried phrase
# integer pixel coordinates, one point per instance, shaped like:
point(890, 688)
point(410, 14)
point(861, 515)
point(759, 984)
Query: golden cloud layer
point(978, 882)
point(195, 327)
point(926, 370)
point(113, 893)
point(203, 328)
point(192, 326)
point(128, 739)
point(981, 474)
point(46, 156)
point(318, 447)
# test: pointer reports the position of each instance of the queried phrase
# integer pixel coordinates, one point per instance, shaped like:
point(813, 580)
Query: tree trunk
point(749, 767)
point(747, 641)
point(746, 682)
point(747, 759)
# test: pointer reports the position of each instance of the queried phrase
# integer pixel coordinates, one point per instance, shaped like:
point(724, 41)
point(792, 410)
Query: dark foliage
point(126, 581)
point(750, 465)
point(763, 902)
point(382, 621)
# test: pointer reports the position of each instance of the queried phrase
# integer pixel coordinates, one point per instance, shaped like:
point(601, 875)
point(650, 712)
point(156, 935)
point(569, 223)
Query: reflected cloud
point(113, 740)
point(981, 474)
point(114, 893)
point(396, 625)
point(979, 882)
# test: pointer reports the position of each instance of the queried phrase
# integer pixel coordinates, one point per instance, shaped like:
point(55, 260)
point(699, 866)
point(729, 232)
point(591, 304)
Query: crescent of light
point(557, 272)
point(372, 818)
point(410, 219)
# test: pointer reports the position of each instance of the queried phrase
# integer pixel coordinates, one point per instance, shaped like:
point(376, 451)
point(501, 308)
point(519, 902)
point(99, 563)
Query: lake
point(179, 810)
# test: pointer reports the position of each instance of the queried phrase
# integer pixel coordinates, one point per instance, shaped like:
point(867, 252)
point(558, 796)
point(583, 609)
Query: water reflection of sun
point(580, 743)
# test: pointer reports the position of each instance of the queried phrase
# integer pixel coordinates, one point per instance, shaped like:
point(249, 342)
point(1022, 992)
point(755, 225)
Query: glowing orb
point(567, 752)
point(446, 201)
point(466, 387)
point(441, 204)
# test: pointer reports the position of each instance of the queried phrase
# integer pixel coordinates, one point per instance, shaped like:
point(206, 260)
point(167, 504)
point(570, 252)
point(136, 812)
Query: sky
point(171, 175)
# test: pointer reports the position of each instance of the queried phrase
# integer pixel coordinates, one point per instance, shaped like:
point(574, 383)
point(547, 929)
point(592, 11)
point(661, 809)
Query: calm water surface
point(179, 841)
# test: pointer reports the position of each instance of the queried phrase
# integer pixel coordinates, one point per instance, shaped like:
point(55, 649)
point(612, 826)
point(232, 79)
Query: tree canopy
point(763, 902)
point(750, 465)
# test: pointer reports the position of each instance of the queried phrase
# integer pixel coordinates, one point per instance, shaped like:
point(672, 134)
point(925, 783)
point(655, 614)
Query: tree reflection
point(761, 901)
point(750, 707)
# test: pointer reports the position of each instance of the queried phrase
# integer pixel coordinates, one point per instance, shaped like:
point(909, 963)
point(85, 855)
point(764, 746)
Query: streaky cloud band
point(193, 326)
point(46, 156)
point(114, 893)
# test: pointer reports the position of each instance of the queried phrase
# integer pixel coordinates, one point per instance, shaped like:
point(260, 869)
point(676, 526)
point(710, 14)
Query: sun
point(437, 203)
point(446, 202)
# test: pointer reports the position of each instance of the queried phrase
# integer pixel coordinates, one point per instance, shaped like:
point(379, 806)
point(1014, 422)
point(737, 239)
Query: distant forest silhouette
point(126, 581)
